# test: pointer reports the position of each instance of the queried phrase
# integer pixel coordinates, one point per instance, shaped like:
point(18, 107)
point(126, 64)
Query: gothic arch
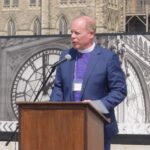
point(116, 24)
point(83, 14)
point(112, 22)
point(109, 26)
point(62, 24)
point(11, 27)
point(139, 73)
point(36, 26)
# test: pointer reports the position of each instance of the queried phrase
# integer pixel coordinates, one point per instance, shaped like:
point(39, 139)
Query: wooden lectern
point(60, 126)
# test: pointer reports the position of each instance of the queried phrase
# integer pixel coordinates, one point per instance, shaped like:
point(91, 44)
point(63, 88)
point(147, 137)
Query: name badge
point(77, 85)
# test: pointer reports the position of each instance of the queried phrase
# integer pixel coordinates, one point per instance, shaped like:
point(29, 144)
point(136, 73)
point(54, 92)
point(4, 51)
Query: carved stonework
point(146, 73)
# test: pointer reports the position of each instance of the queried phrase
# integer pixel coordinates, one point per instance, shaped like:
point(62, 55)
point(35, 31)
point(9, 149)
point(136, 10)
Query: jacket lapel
point(71, 67)
point(92, 63)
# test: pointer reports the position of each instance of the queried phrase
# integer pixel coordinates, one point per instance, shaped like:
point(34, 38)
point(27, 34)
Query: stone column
point(100, 21)
point(45, 20)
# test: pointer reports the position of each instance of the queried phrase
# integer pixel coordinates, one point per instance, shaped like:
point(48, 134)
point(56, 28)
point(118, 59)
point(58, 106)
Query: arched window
point(37, 27)
point(11, 3)
point(35, 2)
point(62, 26)
point(83, 14)
point(116, 24)
point(82, 1)
point(11, 30)
point(6, 3)
point(73, 1)
point(15, 3)
point(134, 103)
point(64, 1)
point(109, 23)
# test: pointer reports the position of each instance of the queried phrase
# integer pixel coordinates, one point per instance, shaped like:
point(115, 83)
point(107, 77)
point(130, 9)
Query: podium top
point(62, 105)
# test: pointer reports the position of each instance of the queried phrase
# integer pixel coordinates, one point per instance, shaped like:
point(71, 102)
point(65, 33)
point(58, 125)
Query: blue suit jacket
point(104, 80)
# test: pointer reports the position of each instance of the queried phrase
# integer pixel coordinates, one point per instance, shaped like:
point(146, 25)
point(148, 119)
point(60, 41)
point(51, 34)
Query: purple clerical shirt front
point(80, 68)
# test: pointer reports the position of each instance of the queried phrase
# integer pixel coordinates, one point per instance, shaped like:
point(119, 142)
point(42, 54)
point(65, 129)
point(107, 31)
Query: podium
point(60, 126)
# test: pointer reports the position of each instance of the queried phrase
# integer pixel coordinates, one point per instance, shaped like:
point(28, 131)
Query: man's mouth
point(74, 43)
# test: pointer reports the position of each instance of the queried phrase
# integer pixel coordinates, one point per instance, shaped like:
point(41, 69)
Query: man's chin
point(76, 47)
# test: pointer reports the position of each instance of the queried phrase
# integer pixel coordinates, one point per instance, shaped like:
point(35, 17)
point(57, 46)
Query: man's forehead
point(78, 24)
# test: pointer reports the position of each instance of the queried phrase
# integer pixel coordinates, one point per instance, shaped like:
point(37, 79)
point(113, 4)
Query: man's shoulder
point(68, 51)
point(104, 51)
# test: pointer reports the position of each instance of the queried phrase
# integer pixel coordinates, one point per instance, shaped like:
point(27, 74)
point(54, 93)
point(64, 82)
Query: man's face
point(81, 38)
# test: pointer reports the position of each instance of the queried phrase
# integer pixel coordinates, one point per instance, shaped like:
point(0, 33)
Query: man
point(94, 73)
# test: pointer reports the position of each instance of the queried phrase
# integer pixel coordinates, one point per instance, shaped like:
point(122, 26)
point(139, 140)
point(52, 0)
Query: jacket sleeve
point(57, 91)
point(116, 83)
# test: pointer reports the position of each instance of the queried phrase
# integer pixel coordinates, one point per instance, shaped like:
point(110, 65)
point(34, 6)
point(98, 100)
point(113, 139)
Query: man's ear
point(91, 34)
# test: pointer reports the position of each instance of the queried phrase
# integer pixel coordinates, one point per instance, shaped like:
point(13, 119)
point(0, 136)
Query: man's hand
point(86, 101)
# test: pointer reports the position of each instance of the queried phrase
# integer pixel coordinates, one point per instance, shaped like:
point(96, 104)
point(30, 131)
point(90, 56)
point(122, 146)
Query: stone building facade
point(48, 17)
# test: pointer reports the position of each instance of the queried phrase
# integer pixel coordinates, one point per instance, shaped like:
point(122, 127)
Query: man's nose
point(72, 35)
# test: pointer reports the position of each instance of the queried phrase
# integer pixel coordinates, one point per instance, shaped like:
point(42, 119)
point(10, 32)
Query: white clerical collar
point(88, 50)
